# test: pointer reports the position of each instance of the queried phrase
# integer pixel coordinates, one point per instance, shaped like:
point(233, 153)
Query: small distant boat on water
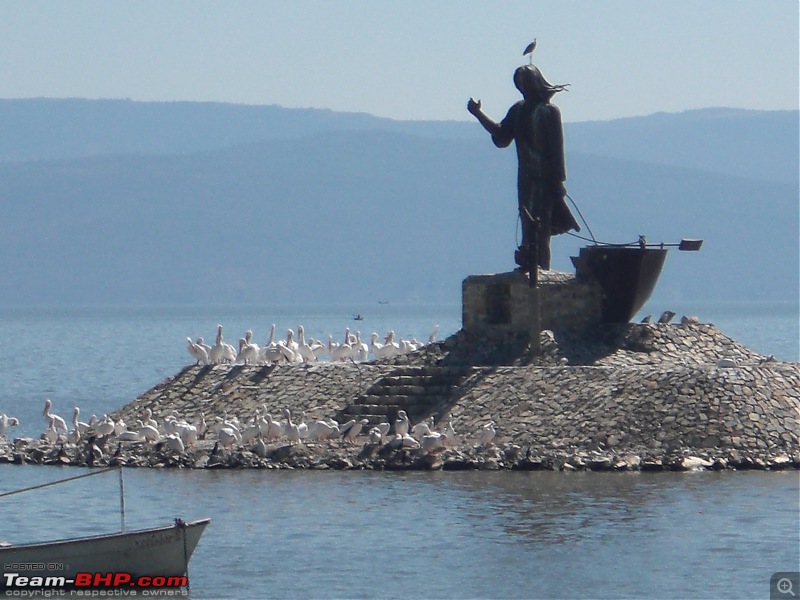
point(160, 553)
point(358, 317)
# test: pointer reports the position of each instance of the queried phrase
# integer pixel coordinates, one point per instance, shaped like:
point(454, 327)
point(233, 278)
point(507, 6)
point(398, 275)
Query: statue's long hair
point(532, 75)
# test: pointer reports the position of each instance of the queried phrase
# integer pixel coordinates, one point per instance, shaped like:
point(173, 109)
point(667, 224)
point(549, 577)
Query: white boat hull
point(159, 551)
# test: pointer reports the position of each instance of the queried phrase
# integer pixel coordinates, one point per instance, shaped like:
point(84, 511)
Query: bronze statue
point(535, 125)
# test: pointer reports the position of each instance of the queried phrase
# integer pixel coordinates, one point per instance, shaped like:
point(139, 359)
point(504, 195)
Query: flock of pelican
point(254, 434)
point(300, 350)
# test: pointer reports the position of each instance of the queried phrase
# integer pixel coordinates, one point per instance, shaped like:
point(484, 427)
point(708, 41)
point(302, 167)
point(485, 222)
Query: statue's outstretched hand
point(474, 106)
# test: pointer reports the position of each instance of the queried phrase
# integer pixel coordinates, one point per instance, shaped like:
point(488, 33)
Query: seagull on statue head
point(529, 50)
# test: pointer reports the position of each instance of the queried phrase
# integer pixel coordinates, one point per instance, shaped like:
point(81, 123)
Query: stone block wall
point(505, 302)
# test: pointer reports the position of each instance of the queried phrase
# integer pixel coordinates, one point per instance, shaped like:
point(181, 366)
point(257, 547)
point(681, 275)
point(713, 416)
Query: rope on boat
point(121, 499)
point(180, 523)
point(580, 214)
point(44, 485)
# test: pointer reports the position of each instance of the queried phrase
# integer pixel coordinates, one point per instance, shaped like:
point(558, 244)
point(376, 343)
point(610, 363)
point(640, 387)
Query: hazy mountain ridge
point(356, 216)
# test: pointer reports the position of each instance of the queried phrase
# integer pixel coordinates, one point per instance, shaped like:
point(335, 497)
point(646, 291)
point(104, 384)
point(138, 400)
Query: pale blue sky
point(419, 59)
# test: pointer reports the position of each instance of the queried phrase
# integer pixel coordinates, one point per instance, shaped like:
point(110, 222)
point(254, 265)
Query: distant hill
point(743, 143)
point(316, 205)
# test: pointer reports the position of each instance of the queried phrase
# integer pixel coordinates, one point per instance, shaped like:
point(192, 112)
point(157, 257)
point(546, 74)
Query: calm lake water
point(389, 535)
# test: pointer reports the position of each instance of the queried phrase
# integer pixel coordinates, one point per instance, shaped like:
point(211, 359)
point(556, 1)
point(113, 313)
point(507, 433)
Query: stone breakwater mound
point(627, 397)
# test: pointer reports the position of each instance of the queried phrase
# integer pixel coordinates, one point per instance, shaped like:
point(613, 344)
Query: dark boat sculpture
point(627, 274)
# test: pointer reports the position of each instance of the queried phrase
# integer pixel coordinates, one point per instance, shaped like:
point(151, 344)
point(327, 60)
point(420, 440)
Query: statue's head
point(532, 84)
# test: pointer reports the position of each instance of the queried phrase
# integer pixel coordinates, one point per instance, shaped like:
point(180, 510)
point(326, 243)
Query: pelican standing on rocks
point(350, 431)
point(291, 429)
point(79, 426)
point(304, 348)
point(487, 435)
point(54, 420)
point(402, 424)
point(5, 423)
point(221, 352)
point(248, 352)
point(376, 346)
point(197, 352)
point(202, 343)
point(360, 349)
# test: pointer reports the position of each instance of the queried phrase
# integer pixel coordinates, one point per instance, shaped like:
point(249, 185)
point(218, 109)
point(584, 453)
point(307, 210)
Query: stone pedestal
point(506, 303)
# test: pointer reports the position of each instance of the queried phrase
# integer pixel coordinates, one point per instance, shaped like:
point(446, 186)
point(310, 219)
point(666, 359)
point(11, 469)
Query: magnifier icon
point(784, 586)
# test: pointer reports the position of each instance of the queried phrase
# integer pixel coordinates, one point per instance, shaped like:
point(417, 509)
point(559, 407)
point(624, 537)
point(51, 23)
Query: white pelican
point(148, 432)
point(202, 426)
point(360, 350)
point(390, 347)
point(341, 352)
point(402, 424)
point(291, 429)
point(272, 354)
point(105, 427)
point(197, 352)
point(349, 431)
point(260, 448)
point(54, 420)
point(322, 430)
point(302, 426)
point(79, 426)
point(432, 336)
point(421, 429)
point(411, 345)
point(403, 441)
point(487, 435)
point(221, 352)
point(202, 343)
point(331, 346)
point(228, 436)
point(376, 346)
point(248, 352)
point(383, 428)
point(291, 356)
point(50, 434)
point(253, 431)
point(433, 442)
point(290, 341)
point(375, 436)
point(274, 429)
point(148, 419)
point(317, 347)
point(271, 340)
point(6, 422)
point(174, 443)
point(130, 436)
point(74, 436)
point(450, 435)
point(187, 432)
point(304, 348)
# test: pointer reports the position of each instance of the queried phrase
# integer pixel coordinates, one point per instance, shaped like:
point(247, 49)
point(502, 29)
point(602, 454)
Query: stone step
point(431, 371)
point(375, 409)
point(409, 390)
point(392, 380)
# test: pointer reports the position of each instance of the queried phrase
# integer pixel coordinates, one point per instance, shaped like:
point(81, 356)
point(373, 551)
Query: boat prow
point(156, 552)
point(627, 276)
